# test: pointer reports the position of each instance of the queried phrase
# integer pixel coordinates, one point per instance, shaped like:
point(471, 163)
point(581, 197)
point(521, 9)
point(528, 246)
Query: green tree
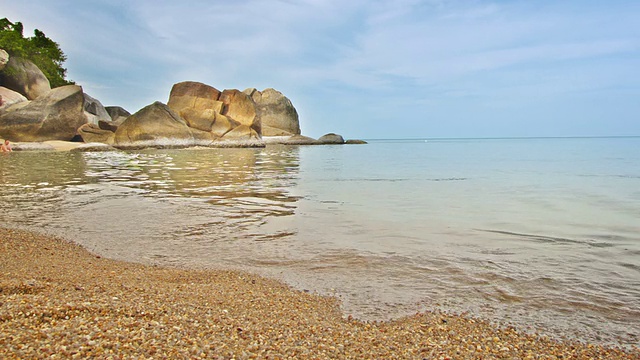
point(39, 49)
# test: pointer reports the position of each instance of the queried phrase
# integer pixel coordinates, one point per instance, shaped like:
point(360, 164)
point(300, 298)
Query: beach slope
point(57, 298)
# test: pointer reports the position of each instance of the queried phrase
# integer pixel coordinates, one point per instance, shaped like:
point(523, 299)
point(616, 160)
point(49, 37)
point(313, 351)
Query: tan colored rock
point(54, 116)
point(195, 102)
point(92, 133)
point(25, 77)
point(241, 108)
point(199, 119)
point(155, 125)
point(276, 113)
point(242, 132)
point(331, 138)
point(222, 125)
point(10, 97)
point(202, 138)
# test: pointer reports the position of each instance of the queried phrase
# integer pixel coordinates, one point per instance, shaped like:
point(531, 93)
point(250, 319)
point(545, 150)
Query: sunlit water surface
point(540, 233)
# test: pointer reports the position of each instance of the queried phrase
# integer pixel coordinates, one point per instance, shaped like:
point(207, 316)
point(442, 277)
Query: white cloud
point(333, 53)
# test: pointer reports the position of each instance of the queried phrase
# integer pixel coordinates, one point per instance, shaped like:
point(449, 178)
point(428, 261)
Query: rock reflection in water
point(148, 204)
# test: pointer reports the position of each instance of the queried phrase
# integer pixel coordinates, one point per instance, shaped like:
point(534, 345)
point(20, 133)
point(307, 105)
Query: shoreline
point(58, 298)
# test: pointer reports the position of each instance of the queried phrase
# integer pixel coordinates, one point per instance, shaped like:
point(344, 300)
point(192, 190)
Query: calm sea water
point(540, 233)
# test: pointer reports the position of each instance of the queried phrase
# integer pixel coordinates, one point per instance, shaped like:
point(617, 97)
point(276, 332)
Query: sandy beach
point(58, 300)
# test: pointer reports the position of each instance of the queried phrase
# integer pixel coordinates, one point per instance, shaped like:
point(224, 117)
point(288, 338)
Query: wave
point(551, 239)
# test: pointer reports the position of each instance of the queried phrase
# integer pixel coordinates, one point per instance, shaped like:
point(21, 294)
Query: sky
point(367, 69)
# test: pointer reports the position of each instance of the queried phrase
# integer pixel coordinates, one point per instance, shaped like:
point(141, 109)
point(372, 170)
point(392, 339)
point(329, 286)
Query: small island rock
point(331, 138)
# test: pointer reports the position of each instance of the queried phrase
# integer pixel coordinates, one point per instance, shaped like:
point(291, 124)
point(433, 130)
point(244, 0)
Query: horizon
point(368, 69)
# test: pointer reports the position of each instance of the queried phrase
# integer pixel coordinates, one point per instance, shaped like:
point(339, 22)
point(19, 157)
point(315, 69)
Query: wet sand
point(57, 300)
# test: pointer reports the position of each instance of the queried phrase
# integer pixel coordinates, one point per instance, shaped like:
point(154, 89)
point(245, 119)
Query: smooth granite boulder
point(118, 114)
point(155, 125)
point(241, 108)
point(92, 133)
point(25, 77)
point(107, 125)
point(10, 97)
point(223, 125)
point(196, 103)
point(4, 59)
point(276, 113)
point(331, 138)
point(94, 110)
point(242, 132)
point(54, 116)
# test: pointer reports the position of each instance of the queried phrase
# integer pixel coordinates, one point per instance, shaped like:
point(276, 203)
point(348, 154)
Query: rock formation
point(24, 77)
point(331, 138)
point(196, 103)
point(155, 125)
point(117, 114)
point(94, 110)
point(239, 107)
point(275, 112)
point(195, 115)
point(92, 133)
point(10, 97)
point(54, 116)
point(229, 115)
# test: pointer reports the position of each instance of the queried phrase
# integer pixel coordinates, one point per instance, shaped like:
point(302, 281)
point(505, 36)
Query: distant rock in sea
point(196, 114)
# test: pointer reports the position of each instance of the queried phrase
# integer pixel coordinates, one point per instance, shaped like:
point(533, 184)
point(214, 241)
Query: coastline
point(58, 298)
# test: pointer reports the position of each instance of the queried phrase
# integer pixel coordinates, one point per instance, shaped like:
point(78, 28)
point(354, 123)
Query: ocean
point(539, 233)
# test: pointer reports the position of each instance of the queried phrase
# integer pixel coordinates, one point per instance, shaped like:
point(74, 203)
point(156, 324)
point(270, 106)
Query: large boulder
point(196, 103)
point(92, 133)
point(54, 116)
point(241, 108)
point(4, 59)
point(118, 114)
point(155, 125)
point(242, 132)
point(10, 97)
point(331, 139)
point(94, 110)
point(222, 125)
point(25, 77)
point(276, 113)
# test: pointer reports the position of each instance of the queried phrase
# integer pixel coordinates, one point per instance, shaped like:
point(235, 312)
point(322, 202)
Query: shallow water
point(540, 233)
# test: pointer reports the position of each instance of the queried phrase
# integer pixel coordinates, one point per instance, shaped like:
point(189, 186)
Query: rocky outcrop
point(118, 114)
point(94, 110)
point(92, 133)
point(155, 125)
point(276, 113)
point(229, 115)
point(196, 103)
point(331, 139)
point(355, 142)
point(10, 97)
point(4, 59)
point(241, 108)
point(54, 116)
point(24, 77)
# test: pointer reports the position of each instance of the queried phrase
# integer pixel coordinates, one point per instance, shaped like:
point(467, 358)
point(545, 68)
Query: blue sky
point(367, 69)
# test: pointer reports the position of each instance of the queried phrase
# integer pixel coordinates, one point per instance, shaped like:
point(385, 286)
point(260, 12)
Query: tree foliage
point(39, 49)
